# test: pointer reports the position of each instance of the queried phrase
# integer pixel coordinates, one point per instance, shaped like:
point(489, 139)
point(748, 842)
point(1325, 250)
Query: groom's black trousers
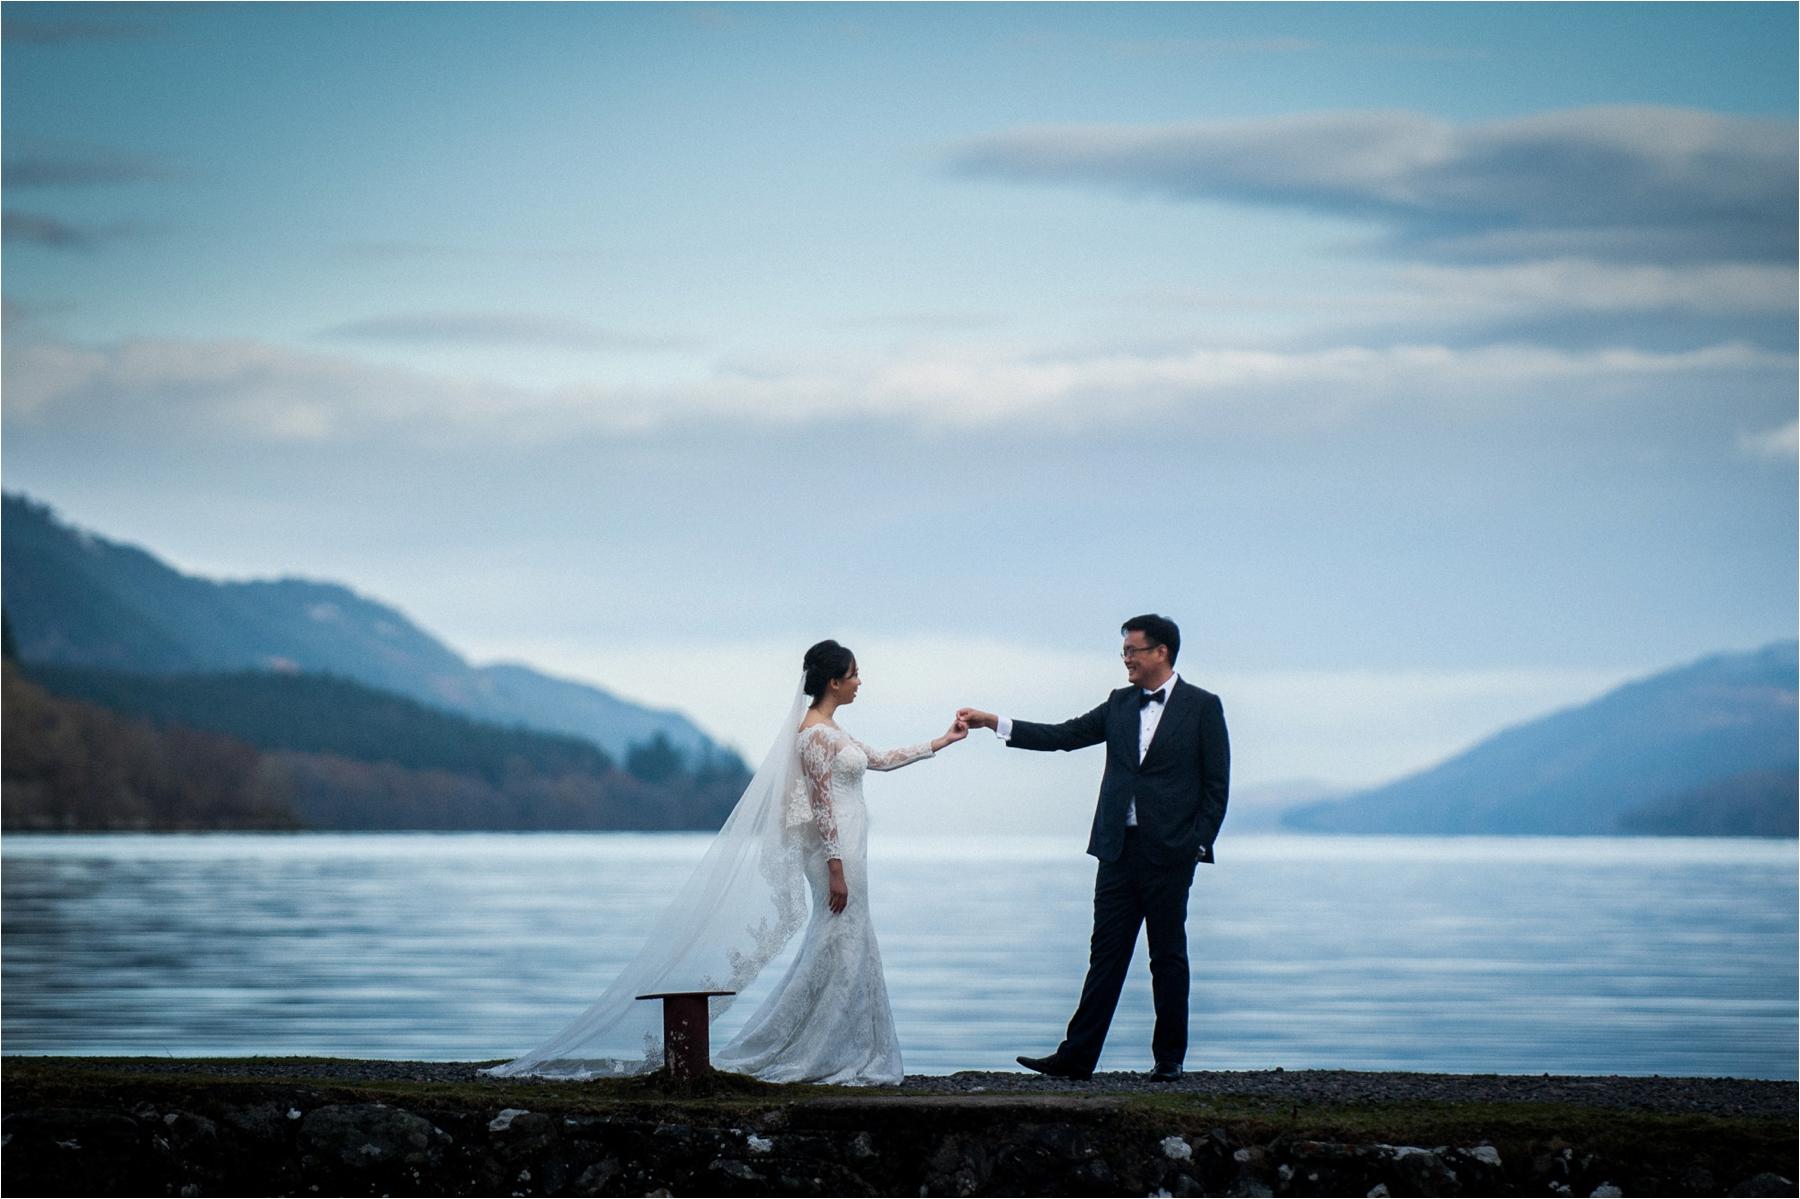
point(1128, 893)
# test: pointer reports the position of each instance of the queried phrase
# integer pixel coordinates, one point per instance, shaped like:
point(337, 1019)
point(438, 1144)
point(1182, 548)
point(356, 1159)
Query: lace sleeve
point(894, 759)
point(817, 751)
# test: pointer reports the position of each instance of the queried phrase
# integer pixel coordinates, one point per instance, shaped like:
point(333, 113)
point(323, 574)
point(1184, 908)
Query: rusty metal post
point(687, 1042)
point(687, 1047)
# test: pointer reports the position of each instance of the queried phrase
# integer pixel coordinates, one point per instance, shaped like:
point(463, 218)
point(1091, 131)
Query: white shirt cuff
point(1003, 728)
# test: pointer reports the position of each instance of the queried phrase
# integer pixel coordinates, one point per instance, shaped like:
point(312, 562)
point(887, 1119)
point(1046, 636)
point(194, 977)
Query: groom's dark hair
point(1157, 630)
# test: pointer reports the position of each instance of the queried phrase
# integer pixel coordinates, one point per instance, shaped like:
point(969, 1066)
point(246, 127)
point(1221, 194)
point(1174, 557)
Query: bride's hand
point(837, 894)
point(959, 728)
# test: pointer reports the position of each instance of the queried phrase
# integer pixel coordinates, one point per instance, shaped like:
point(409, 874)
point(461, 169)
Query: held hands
point(959, 729)
point(975, 718)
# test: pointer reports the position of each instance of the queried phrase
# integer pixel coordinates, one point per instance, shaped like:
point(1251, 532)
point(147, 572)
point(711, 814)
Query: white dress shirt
point(1149, 716)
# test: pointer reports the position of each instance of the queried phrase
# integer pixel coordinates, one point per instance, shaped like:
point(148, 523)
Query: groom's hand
point(975, 718)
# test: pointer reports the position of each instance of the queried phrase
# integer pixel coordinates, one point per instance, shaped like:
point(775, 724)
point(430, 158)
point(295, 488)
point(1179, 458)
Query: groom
point(1162, 799)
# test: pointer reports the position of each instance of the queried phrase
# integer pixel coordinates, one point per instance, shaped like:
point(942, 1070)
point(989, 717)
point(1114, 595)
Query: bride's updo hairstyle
point(824, 662)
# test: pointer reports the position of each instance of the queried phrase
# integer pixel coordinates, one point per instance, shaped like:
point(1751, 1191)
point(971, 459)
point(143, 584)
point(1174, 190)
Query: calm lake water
point(1512, 955)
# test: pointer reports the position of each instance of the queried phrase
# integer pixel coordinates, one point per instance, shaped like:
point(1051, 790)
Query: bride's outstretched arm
point(894, 759)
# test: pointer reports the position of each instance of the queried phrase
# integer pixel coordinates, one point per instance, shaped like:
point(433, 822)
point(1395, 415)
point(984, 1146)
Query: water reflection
point(1585, 955)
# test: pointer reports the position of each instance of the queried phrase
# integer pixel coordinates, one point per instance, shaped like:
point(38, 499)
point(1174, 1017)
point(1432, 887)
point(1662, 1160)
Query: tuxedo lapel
point(1174, 708)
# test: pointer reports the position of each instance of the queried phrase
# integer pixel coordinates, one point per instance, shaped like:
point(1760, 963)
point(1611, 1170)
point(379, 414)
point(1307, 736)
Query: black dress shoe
point(1055, 1067)
point(1166, 1072)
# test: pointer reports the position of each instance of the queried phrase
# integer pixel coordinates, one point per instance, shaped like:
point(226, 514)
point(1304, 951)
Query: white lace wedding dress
point(828, 1020)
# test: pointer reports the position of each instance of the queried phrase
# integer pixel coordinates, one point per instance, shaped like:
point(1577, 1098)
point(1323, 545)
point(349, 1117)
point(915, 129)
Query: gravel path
point(1716, 1096)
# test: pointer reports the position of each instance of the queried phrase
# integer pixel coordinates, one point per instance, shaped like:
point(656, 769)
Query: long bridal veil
point(737, 910)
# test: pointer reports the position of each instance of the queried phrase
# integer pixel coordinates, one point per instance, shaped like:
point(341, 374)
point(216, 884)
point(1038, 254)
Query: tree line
point(69, 766)
point(98, 750)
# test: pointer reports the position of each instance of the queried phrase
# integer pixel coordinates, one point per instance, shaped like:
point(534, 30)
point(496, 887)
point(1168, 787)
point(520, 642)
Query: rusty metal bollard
point(687, 1047)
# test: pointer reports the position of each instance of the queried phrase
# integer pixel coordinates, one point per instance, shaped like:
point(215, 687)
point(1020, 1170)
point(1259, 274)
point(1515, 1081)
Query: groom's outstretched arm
point(1079, 733)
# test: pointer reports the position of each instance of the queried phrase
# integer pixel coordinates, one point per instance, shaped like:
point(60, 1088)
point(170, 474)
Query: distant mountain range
point(1708, 748)
point(1259, 807)
point(76, 599)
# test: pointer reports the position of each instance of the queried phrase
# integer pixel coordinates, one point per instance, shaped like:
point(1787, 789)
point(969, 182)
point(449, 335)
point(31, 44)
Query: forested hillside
point(72, 766)
point(102, 751)
point(78, 599)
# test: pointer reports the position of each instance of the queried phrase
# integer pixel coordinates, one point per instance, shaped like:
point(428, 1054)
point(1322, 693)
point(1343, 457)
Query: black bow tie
point(1151, 697)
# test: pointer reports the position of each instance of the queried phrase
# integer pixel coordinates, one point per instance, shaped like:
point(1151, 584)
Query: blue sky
point(1432, 365)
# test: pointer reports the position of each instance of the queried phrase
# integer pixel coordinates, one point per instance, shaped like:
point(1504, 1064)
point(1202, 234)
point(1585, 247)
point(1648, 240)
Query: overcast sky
point(1433, 366)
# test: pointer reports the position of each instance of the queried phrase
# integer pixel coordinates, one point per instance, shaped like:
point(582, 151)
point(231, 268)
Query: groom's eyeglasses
point(1132, 651)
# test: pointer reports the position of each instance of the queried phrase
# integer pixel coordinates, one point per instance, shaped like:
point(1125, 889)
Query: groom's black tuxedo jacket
point(1180, 787)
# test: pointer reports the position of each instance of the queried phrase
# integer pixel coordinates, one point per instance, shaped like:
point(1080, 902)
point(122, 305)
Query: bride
point(800, 826)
